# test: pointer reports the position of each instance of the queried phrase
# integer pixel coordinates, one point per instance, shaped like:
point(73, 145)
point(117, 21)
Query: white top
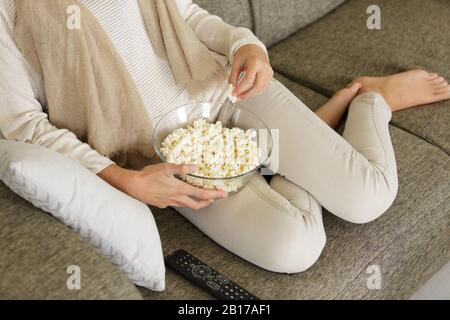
point(22, 94)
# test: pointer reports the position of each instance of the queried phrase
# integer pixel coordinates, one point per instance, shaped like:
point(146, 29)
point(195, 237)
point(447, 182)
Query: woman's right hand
point(157, 185)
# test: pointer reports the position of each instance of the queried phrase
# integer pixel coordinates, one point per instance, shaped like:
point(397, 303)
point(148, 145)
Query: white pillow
point(122, 228)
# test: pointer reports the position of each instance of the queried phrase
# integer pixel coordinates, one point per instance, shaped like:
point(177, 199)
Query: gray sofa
point(316, 48)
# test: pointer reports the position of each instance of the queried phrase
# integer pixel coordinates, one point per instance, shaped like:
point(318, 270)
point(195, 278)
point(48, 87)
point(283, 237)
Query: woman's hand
point(252, 60)
point(156, 185)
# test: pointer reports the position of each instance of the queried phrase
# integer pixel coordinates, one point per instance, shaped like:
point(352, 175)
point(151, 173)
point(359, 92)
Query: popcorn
point(217, 152)
point(232, 98)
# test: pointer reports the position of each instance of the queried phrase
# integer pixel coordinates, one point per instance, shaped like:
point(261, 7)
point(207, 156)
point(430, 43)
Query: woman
point(277, 226)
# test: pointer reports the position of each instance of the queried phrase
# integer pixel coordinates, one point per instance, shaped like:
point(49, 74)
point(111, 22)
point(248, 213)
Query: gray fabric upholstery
point(339, 47)
point(35, 251)
point(409, 242)
point(235, 12)
point(272, 21)
point(276, 20)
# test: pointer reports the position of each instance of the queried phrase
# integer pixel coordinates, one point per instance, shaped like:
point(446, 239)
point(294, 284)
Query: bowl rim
point(162, 158)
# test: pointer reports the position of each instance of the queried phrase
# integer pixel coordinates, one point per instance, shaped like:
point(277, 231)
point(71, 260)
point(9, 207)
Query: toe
point(433, 75)
point(443, 93)
point(419, 73)
point(443, 84)
point(348, 93)
point(343, 93)
point(354, 87)
point(447, 91)
point(438, 80)
point(351, 90)
point(361, 80)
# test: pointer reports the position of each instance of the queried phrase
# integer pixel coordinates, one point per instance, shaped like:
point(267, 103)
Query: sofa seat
point(409, 242)
point(35, 251)
point(331, 52)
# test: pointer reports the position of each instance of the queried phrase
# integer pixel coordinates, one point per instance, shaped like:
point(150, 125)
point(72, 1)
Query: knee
point(369, 207)
point(303, 238)
point(299, 246)
point(305, 255)
point(293, 257)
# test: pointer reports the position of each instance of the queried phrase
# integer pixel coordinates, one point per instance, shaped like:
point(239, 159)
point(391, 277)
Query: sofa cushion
point(276, 20)
point(36, 250)
point(235, 12)
point(121, 227)
point(340, 47)
point(409, 243)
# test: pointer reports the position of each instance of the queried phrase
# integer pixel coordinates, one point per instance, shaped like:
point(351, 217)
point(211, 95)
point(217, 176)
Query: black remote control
point(206, 278)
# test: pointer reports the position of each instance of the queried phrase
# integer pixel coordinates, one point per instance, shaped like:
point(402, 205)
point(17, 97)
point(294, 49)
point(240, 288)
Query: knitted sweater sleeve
point(214, 32)
point(22, 117)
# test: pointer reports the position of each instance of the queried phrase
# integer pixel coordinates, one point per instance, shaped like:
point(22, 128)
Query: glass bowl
point(185, 115)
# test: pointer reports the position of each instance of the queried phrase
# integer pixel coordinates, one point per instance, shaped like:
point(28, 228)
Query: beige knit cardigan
point(89, 89)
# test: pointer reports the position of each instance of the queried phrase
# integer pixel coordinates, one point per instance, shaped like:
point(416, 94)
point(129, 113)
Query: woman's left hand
point(252, 60)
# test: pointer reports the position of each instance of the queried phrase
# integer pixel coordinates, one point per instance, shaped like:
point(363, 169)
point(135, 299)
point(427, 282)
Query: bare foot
point(332, 111)
point(407, 89)
point(344, 97)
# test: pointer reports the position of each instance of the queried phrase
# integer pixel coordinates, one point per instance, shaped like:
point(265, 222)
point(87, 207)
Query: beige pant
point(278, 226)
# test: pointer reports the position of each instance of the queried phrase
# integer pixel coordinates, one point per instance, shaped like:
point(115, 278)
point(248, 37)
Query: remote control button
point(201, 271)
point(213, 285)
point(222, 279)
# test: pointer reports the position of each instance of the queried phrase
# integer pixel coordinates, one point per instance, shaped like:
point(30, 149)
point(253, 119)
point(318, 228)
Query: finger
point(236, 70)
point(180, 168)
point(269, 78)
point(246, 82)
point(203, 194)
point(177, 204)
point(266, 87)
point(188, 202)
point(258, 87)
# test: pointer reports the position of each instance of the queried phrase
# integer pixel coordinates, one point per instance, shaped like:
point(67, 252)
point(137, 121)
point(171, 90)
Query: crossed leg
point(279, 226)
